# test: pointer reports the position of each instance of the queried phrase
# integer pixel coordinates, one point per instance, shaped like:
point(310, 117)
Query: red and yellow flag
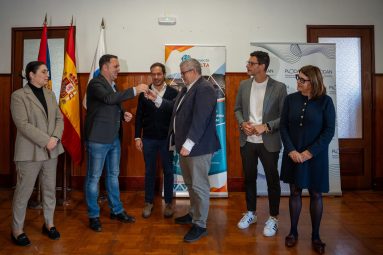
point(70, 102)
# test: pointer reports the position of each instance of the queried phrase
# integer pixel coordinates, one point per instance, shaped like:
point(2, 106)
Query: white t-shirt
point(257, 95)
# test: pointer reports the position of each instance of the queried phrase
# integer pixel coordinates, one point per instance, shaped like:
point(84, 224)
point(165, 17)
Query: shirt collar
point(159, 91)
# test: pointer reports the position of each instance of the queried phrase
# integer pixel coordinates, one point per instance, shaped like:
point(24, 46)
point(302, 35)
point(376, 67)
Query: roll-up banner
point(213, 64)
point(285, 61)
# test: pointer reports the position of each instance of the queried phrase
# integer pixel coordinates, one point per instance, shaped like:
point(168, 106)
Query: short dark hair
point(316, 79)
point(158, 64)
point(105, 59)
point(262, 57)
point(32, 67)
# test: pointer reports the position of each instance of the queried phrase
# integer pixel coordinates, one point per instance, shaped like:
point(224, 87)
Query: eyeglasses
point(252, 63)
point(300, 79)
point(183, 73)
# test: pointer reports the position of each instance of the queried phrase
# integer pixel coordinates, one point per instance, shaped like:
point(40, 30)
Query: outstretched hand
point(151, 95)
point(141, 88)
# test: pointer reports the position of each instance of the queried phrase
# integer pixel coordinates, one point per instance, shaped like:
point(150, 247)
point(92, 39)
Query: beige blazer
point(34, 127)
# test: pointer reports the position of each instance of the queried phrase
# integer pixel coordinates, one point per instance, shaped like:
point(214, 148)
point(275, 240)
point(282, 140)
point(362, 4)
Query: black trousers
point(250, 154)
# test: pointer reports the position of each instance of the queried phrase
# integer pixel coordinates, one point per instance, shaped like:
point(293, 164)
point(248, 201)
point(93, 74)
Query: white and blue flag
point(100, 50)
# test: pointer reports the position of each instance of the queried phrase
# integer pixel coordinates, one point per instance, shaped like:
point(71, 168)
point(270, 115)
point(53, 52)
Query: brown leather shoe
point(147, 211)
point(168, 212)
point(291, 240)
point(318, 246)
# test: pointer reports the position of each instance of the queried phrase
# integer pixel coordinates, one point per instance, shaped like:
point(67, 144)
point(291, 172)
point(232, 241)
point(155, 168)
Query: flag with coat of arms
point(70, 102)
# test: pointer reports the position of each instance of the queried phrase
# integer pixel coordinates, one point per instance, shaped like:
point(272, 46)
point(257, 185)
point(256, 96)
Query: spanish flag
point(44, 51)
point(70, 102)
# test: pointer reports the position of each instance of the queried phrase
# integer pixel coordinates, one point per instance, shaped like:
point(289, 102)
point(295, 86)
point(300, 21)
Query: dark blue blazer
point(195, 118)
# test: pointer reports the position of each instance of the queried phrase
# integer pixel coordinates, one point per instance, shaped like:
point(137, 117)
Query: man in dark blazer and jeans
point(103, 129)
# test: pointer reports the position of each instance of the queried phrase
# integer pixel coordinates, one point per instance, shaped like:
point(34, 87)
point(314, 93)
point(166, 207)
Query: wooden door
point(355, 153)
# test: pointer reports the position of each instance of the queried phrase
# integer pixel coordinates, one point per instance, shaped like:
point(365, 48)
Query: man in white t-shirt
point(258, 108)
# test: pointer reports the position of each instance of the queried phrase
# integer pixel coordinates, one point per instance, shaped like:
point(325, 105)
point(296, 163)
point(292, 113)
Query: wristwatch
point(268, 128)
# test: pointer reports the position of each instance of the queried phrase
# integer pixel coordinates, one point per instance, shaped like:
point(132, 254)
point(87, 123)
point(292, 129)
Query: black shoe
point(186, 219)
point(195, 233)
point(318, 246)
point(95, 224)
point(291, 240)
point(52, 233)
point(123, 217)
point(21, 240)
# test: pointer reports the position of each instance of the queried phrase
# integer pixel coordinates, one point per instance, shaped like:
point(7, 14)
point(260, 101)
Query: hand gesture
point(184, 152)
point(259, 129)
point(52, 143)
point(306, 155)
point(151, 95)
point(141, 88)
point(296, 157)
point(139, 144)
point(247, 128)
point(128, 116)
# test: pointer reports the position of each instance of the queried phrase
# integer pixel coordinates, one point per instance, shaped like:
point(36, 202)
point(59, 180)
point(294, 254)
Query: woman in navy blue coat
point(307, 126)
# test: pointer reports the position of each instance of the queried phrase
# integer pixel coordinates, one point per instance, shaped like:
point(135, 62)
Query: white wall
point(132, 31)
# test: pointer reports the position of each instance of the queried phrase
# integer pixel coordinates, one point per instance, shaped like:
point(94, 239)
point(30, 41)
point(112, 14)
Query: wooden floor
point(352, 224)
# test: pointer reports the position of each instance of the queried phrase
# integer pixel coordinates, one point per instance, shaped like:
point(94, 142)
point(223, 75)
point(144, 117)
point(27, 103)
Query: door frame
point(356, 155)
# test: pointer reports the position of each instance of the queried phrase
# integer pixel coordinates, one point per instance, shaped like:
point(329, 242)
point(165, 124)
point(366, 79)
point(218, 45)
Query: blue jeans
point(98, 155)
point(151, 148)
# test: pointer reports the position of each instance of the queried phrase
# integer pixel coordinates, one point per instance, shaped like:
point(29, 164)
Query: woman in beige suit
point(39, 126)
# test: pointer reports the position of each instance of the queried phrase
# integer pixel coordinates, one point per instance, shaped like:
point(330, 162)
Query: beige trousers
point(195, 172)
point(27, 173)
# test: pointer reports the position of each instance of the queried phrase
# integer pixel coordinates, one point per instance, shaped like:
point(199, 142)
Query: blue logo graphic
point(185, 57)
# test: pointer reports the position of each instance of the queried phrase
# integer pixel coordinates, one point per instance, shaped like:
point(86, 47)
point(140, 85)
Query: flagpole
point(65, 170)
point(39, 185)
point(65, 202)
point(100, 50)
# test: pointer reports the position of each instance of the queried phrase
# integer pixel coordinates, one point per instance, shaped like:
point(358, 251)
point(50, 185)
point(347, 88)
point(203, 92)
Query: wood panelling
point(234, 163)
point(132, 164)
point(378, 134)
point(131, 159)
point(5, 116)
point(351, 161)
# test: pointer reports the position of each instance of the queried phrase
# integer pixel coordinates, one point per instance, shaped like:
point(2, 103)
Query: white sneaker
point(271, 227)
point(247, 219)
